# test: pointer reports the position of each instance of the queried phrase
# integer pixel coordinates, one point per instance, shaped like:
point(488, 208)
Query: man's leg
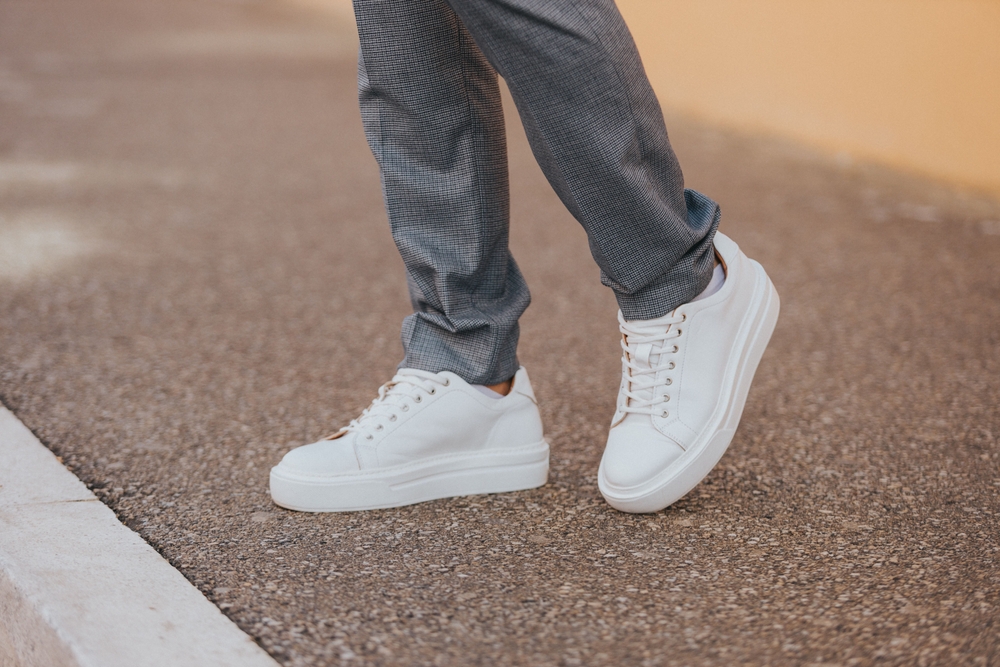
point(431, 109)
point(691, 342)
point(432, 113)
point(596, 129)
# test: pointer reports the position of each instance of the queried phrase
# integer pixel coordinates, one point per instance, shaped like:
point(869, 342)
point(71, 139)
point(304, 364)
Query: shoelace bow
point(646, 358)
point(394, 396)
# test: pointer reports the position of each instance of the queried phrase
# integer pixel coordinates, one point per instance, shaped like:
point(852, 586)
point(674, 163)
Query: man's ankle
point(503, 388)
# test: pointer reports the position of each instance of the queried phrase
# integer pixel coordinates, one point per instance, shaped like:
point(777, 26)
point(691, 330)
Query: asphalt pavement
point(196, 274)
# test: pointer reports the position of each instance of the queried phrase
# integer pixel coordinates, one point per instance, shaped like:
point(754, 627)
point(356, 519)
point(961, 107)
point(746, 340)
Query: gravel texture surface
point(196, 274)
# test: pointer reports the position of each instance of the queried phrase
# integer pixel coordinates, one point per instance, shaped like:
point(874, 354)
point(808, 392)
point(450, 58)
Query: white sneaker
point(425, 436)
point(685, 378)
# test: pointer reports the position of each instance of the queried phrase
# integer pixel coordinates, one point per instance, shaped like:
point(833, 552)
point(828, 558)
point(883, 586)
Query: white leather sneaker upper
point(418, 416)
point(674, 375)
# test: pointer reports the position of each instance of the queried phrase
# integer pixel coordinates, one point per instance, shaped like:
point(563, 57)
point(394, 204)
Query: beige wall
point(911, 83)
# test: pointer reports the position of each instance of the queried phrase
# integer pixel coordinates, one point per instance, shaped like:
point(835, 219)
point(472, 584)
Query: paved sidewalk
point(77, 588)
point(196, 275)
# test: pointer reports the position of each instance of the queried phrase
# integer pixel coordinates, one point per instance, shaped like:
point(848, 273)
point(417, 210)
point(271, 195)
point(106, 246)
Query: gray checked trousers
point(430, 102)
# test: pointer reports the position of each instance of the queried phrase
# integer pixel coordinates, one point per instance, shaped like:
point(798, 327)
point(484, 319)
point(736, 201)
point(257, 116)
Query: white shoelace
point(407, 387)
point(647, 362)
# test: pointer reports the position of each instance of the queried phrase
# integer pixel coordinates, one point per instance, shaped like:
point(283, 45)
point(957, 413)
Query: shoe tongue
point(642, 353)
point(647, 354)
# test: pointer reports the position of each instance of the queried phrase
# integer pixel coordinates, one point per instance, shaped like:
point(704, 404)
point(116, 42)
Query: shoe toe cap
point(326, 457)
point(636, 452)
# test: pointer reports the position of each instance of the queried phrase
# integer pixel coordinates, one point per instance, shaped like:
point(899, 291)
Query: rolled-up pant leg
point(432, 113)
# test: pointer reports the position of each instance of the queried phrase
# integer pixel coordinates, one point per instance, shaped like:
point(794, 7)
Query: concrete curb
point(78, 588)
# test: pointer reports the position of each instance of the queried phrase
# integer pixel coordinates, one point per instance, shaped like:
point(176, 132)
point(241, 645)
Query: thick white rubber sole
point(694, 465)
point(446, 476)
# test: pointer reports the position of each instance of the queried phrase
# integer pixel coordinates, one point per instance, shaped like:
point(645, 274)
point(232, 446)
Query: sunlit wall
point(912, 83)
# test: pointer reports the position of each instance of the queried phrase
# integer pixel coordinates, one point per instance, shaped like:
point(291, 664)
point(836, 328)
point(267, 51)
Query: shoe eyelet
point(392, 418)
point(405, 408)
point(676, 348)
point(379, 427)
point(671, 366)
point(369, 437)
point(679, 332)
point(669, 382)
point(418, 399)
point(665, 414)
point(433, 391)
point(447, 381)
point(666, 398)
